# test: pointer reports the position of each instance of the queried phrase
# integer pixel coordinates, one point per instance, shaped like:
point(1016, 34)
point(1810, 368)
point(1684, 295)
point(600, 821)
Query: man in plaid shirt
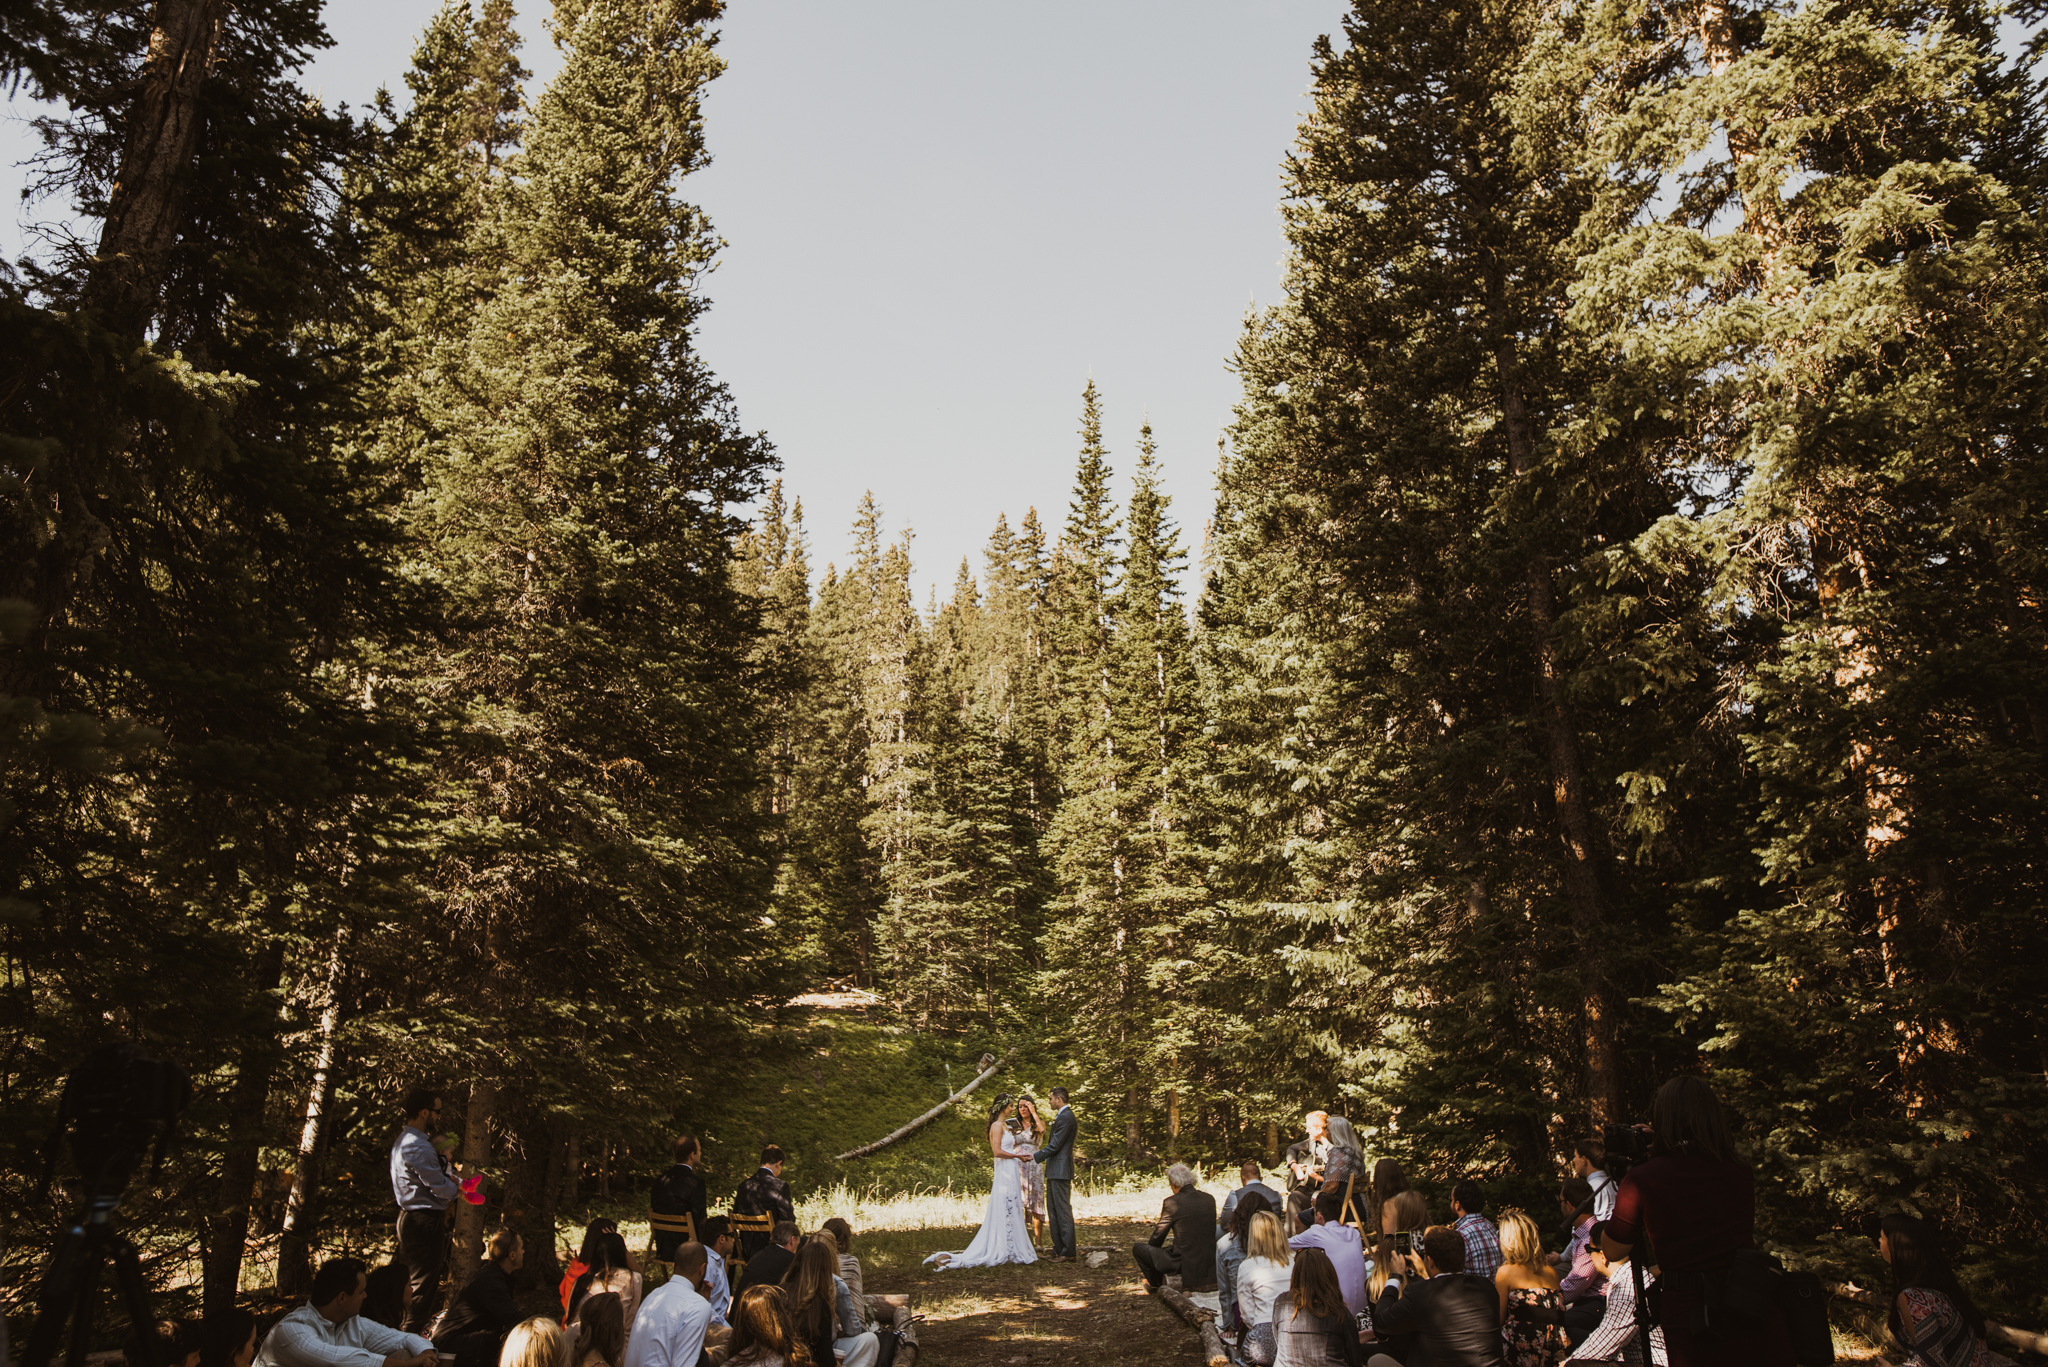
point(1482, 1240)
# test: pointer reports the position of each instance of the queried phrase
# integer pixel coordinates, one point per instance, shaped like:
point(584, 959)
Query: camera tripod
point(71, 1286)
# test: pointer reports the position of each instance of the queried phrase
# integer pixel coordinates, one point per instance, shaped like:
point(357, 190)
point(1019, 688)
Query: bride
point(1003, 1236)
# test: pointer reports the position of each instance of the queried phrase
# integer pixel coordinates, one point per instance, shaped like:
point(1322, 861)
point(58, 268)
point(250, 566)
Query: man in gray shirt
point(329, 1330)
point(423, 1190)
point(1251, 1174)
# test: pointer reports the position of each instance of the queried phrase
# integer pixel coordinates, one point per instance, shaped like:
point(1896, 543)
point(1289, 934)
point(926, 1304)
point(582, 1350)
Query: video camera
point(1626, 1145)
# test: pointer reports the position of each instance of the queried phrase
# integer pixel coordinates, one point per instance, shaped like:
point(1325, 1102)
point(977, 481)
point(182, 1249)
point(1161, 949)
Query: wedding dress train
point(1003, 1237)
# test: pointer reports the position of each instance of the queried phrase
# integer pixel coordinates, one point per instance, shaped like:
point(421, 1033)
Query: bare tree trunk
point(1173, 1124)
point(572, 1169)
point(228, 1226)
point(1567, 773)
point(1134, 1133)
point(143, 208)
point(295, 1245)
point(476, 1156)
point(1272, 1142)
point(604, 1172)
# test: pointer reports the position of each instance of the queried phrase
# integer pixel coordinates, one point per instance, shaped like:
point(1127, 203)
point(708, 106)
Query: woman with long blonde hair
point(1526, 1281)
point(533, 1343)
point(1264, 1276)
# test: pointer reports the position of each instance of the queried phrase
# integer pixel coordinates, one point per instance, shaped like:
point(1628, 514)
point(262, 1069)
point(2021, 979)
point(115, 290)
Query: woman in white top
point(1262, 1279)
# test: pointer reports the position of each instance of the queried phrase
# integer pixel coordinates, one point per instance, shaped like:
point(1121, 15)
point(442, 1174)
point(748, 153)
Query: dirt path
point(1065, 1313)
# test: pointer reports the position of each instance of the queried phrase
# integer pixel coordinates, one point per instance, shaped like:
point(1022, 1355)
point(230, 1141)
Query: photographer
point(329, 1331)
point(1696, 1202)
point(1453, 1314)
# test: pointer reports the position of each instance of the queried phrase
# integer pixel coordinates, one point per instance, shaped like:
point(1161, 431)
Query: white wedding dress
point(1004, 1237)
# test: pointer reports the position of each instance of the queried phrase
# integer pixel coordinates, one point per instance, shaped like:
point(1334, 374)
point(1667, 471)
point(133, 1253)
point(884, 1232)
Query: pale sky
point(942, 217)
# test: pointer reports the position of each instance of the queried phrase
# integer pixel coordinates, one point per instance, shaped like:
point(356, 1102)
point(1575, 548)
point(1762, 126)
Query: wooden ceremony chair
point(739, 1226)
point(657, 1223)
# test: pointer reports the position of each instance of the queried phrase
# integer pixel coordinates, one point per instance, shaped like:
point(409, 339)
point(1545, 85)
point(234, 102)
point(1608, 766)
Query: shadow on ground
point(1066, 1313)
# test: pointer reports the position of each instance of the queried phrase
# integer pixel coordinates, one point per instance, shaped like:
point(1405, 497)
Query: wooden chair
point(1349, 1215)
point(739, 1226)
point(657, 1223)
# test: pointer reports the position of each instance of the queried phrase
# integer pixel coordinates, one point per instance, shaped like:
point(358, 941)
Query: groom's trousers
point(1059, 1211)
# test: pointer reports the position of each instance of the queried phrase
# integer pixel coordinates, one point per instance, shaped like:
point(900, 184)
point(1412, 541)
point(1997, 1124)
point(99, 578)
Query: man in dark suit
point(765, 1193)
point(771, 1264)
point(1057, 1159)
point(1190, 1216)
point(679, 1191)
point(1457, 1313)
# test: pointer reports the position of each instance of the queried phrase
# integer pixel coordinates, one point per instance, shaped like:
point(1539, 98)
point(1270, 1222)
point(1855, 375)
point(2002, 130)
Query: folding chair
point(739, 1226)
point(657, 1223)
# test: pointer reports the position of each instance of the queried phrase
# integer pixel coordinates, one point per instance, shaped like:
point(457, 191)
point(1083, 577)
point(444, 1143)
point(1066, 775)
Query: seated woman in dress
point(1932, 1317)
point(1527, 1283)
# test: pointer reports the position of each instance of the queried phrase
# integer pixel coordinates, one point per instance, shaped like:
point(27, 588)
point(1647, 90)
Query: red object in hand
point(472, 1189)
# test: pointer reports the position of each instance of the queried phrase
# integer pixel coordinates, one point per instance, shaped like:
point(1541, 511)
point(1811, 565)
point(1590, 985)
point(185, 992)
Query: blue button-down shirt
point(720, 1284)
point(417, 1181)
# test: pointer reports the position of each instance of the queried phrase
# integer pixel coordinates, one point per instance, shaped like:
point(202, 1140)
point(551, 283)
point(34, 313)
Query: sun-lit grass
point(962, 1205)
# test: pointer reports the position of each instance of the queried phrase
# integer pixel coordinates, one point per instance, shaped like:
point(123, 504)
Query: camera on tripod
point(117, 1104)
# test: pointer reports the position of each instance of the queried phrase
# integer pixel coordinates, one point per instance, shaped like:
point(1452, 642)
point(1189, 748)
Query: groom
point(1057, 1158)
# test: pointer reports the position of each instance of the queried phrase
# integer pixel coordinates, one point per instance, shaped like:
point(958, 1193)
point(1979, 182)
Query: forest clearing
point(1574, 780)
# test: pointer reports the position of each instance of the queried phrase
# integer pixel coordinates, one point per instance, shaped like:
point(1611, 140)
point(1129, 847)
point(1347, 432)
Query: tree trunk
point(476, 1156)
point(295, 1245)
point(1134, 1132)
point(1173, 1124)
point(228, 1227)
point(1272, 1143)
point(1567, 773)
point(529, 1207)
point(164, 125)
point(572, 1169)
point(604, 1172)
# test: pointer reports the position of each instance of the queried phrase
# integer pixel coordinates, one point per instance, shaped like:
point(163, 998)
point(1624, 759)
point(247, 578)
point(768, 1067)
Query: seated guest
point(1265, 1276)
point(1582, 1289)
point(390, 1288)
point(764, 1193)
point(484, 1312)
point(1389, 1182)
point(533, 1343)
point(228, 1339)
point(1482, 1241)
point(1252, 1178)
point(329, 1330)
point(822, 1305)
point(1529, 1303)
point(771, 1264)
point(176, 1343)
point(1230, 1255)
point(612, 1270)
point(1340, 1244)
point(1589, 1163)
point(1931, 1314)
point(1454, 1314)
point(718, 1243)
point(674, 1318)
point(763, 1331)
point(598, 1337)
point(679, 1191)
point(1189, 1214)
point(1311, 1325)
point(586, 1257)
point(1614, 1338)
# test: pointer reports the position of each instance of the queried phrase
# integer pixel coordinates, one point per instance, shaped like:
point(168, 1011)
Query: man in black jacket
point(771, 1264)
point(1190, 1216)
point(484, 1312)
point(679, 1191)
point(765, 1193)
point(1455, 1312)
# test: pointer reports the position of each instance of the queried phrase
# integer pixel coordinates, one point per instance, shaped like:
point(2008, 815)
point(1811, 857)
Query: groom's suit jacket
point(1057, 1157)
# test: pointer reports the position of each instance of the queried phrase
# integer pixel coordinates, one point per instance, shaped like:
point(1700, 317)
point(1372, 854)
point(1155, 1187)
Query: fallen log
point(1204, 1321)
point(988, 1070)
point(2018, 1338)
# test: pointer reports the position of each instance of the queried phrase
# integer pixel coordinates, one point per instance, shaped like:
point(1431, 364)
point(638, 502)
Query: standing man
point(679, 1191)
point(1057, 1159)
point(765, 1193)
point(423, 1190)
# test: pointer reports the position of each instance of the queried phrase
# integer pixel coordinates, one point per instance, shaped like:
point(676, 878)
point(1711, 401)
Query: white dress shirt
point(1605, 1190)
point(669, 1330)
point(305, 1338)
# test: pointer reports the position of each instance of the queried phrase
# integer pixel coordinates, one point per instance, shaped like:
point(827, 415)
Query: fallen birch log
point(988, 1070)
point(1204, 1321)
point(2018, 1338)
